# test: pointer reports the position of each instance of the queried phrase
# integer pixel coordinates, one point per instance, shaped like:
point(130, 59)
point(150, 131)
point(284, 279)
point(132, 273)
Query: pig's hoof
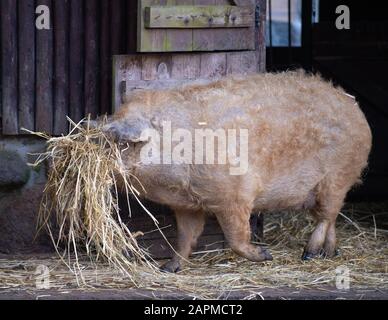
point(321, 254)
point(171, 267)
point(266, 255)
point(327, 255)
point(307, 256)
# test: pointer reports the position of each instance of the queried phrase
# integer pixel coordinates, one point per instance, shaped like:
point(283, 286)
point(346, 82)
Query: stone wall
point(21, 188)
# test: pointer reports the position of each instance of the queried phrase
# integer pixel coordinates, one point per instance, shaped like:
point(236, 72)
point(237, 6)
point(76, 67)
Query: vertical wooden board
point(26, 56)
point(61, 68)
point(179, 40)
point(235, 39)
point(156, 67)
point(150, 40)
point(131, 26)
point(91, 84)
point(76, 59)
point(116, 26)
point(8, 36)
point(222, 39)
point(204, 40)
point(185, 66)
point(44, 76)
point(241, 62)
point(213, 65)
point(125, 68)
point(261, 49)
point(226, 37)
point(105, 58)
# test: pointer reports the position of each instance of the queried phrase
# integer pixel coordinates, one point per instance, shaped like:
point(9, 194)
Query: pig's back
point(301, 128)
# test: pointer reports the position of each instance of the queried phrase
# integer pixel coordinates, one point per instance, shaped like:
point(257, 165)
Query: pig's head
point(125, 131)
point(130, 134)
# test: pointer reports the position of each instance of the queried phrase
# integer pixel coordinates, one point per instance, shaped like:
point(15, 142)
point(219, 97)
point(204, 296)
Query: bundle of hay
point(81, 199)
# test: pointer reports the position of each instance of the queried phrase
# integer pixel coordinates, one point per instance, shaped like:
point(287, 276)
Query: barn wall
point(67, 70)
point(47, 74)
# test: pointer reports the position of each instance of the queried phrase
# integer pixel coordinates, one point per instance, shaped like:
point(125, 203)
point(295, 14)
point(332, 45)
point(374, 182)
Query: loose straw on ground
point(217, 274)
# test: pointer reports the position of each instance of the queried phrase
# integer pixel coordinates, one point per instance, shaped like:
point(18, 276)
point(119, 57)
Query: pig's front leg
point(190, 226)
point(234, 221)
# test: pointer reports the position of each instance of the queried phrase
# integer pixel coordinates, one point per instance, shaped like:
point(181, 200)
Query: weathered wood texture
point(61, 65)
point(193, 17)
point(202, 24)
point(26, 45)
point(161, 71)
point(46, 75)
point(9, 62)
point(261, 49)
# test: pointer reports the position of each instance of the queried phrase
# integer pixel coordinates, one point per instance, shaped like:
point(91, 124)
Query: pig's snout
point(112, 132)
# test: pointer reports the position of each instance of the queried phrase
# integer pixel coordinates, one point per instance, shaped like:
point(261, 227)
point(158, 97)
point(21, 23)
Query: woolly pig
point(307, 143)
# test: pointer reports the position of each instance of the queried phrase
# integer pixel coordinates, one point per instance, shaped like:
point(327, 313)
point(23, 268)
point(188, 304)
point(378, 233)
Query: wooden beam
point(105, 58)
point(260, 37)
point(91, 83)
point(9, 66)
point(76, 58)
point(44, 76)
point(192, 17)
point(26, 54)
point(61, 66)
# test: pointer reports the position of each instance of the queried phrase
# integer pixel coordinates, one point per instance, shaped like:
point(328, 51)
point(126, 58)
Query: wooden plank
point(213, 65)
point(189, 17)
point(26, 56)
point(241, 62)
point(116, 26)
point(125, 68)
point(76, 60)
point(150, 40)
point(261, 49)
point(223, 39)
point(204, 40)
point(8, 36)
point(105, 58)
point(170, 40)
point(236, 39)
point(44, 76)
point(186, 66)
point(130, 86)
point(117, 44)
point(131, 19)
point(91, 83)
point(138, 72)
point(156, 67)
point(179, 40)
point(61, 68)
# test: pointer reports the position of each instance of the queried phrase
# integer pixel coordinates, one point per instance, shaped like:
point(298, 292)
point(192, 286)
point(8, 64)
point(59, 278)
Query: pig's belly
point(288, 192)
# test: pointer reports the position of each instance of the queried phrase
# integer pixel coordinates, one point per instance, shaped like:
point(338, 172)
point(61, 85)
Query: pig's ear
point(128, 130)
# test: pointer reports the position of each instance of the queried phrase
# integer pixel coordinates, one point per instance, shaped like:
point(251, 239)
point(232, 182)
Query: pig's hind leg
point(235, 224)
point(330, 195)
point(190, 225)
